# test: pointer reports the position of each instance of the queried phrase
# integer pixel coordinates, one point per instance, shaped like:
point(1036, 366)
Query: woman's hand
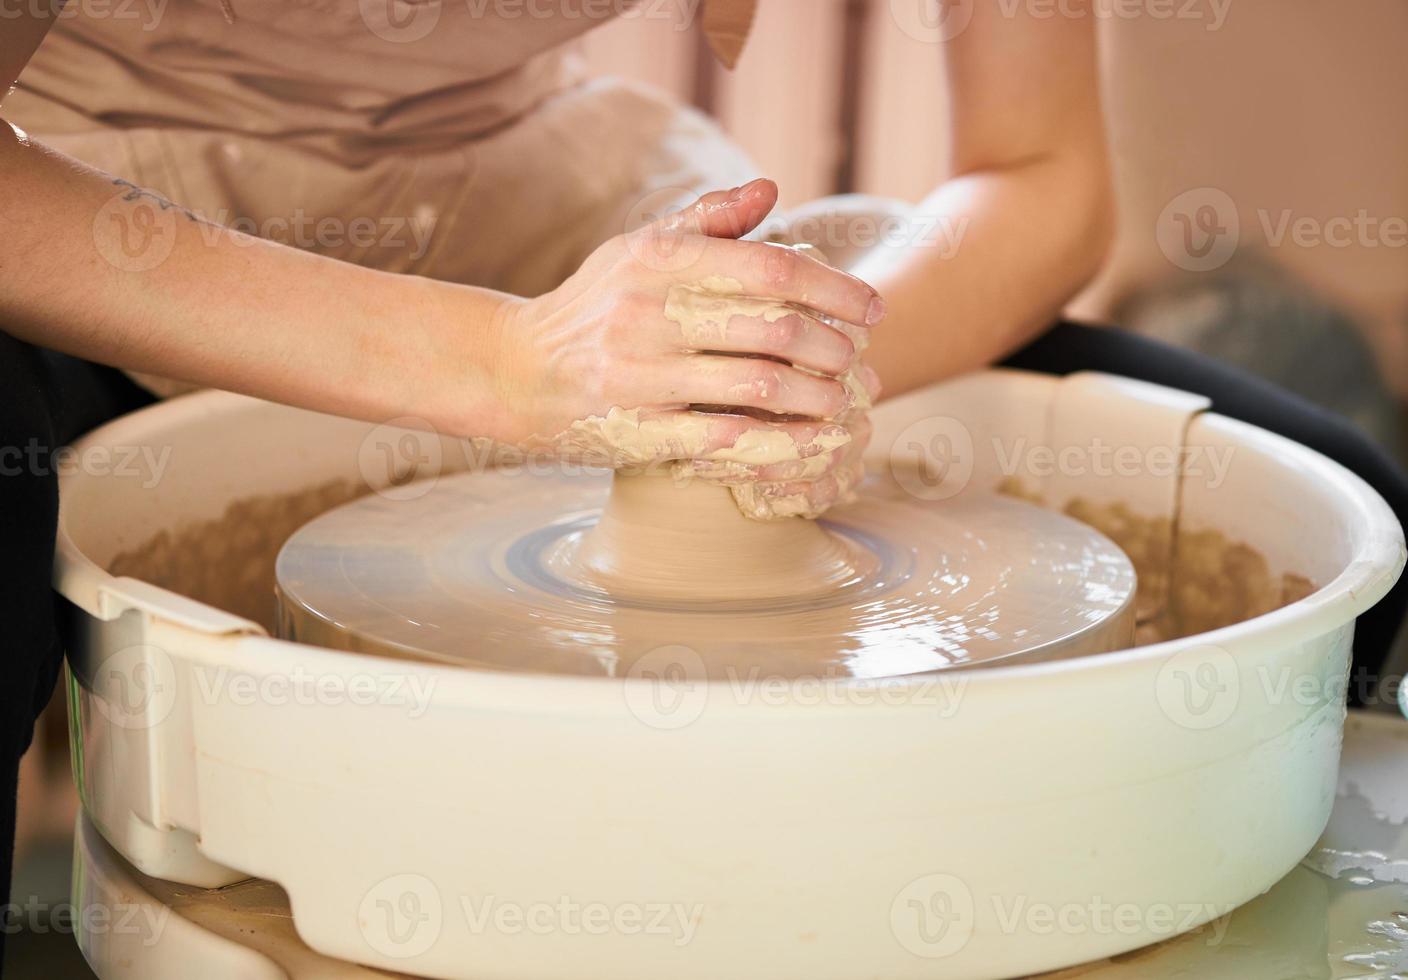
point(681, 343)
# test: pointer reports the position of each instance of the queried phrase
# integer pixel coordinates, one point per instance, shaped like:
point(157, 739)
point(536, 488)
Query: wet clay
point(656, 537)
point(228, 562)
point(1218, 582)
point(1213, 580)
point(532, 573)
point(627, 438)
point(703, 311)
point(623, 438)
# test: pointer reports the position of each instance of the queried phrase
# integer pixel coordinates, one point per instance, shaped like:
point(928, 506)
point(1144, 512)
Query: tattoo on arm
point(135, 193)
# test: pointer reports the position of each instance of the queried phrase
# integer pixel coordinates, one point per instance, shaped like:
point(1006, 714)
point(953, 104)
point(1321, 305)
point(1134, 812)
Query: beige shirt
point(450, 138)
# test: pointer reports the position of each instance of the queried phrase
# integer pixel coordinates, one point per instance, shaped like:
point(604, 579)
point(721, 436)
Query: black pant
point(50, 399)
point(46, 400)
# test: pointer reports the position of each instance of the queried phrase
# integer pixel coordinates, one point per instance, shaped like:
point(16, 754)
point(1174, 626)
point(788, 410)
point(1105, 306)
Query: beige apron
point(440, 137)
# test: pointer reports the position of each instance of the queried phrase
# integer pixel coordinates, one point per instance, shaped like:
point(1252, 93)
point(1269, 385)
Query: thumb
point(724, 214)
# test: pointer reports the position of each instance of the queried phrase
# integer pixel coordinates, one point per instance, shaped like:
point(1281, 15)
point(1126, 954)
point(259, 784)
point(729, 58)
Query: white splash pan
point(981, 827)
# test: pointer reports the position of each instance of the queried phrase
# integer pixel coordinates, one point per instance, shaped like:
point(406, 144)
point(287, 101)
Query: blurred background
point(1261, 161)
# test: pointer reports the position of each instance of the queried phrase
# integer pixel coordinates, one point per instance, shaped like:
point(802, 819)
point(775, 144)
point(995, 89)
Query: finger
point(767, 501)
point(722, 214)
point(792, 471)
point(871, 381)
point(861, 429)
point(673, 435)
point(829, 490)
point(711, 322)
point(755, 383)
point(776, 272)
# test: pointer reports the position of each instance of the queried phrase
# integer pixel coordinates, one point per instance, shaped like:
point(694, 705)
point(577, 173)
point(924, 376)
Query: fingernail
point(876, 312)
point(748, 187)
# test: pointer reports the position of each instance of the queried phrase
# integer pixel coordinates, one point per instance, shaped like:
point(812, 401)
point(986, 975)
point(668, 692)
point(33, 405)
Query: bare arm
point(100, 268)
point(1024, 218)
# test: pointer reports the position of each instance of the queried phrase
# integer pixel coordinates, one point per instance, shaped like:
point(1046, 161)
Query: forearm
point(988, 261)
point(103, 270)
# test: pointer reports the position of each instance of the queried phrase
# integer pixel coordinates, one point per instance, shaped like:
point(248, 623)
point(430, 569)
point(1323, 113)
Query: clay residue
point(766, 502)
point(703, 311)
point(1218, 582)
point(678, 444)
point(1213, 581)
point(228, 562)
point(622, 438)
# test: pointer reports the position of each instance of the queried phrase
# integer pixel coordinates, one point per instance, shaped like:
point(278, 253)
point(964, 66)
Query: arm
point(1024, 219)
point(98, 268)
point(105, 270)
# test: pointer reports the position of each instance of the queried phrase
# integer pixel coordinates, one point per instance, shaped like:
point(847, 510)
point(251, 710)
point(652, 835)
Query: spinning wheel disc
point(501, 570)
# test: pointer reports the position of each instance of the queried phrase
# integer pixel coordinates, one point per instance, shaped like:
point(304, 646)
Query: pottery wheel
point(511, 570)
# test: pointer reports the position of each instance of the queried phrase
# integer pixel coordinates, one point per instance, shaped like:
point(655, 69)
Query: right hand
point(603, 341)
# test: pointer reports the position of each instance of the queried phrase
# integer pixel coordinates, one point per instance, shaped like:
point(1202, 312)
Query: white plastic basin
point(990, 823)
